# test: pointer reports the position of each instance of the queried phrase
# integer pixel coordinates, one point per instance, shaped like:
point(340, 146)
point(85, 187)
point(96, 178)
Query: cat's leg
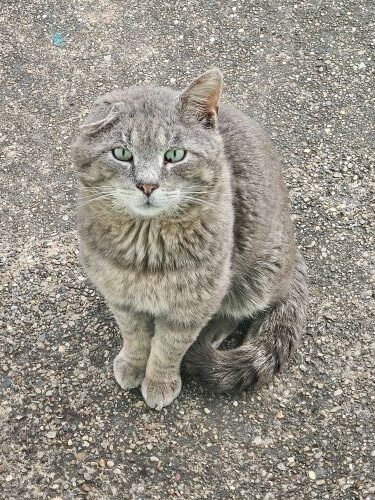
point(162, 383)
point(218, 329)
point(130, 364)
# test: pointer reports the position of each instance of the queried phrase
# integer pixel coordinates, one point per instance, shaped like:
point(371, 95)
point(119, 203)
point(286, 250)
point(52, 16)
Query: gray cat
point(185, 228)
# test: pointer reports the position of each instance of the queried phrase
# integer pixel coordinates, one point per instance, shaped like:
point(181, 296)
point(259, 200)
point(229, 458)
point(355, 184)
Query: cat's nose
point(147, 188)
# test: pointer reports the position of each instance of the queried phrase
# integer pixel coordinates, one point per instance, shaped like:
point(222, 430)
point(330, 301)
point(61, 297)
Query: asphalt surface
point(305, 71)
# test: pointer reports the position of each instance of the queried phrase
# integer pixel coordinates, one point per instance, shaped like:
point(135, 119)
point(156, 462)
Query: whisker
point(80, 205)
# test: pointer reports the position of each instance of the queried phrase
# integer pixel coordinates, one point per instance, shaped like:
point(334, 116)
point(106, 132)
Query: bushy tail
point(269, 343)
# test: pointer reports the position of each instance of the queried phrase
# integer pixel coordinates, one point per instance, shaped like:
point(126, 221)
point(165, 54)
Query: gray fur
point(213, 245)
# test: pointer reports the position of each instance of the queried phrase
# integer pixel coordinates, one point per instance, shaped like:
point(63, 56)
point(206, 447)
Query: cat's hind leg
point(272, 337)
point(218, 329)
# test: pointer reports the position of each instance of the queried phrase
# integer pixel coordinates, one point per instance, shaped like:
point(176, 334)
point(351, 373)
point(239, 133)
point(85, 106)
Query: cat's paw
point(159, 394)
point(127, 375)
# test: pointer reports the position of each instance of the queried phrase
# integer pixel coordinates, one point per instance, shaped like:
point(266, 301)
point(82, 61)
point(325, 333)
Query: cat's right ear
point(102, 114)
point(200, 100)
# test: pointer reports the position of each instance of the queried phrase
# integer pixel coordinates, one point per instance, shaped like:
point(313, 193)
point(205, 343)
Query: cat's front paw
point(127, 375)
point(159, 394)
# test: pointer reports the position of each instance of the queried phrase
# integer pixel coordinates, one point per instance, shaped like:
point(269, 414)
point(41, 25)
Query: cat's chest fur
point(156, 266)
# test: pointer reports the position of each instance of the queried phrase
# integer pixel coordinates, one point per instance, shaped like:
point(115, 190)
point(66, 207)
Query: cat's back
point(260, 199)
point(254, 163)
point(247, 146)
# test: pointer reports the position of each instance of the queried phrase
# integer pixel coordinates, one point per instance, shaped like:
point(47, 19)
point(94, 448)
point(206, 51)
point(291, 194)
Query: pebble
point(312, 474)
point(7, 383)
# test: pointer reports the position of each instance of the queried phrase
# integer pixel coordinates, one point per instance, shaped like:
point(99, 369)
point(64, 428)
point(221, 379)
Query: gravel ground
point(304, 70)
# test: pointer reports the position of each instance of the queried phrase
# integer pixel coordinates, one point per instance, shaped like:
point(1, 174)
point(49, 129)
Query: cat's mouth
point(148, 207)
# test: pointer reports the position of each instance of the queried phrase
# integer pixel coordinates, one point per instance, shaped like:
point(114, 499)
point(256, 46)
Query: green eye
point(122, 154)
point(174, 155)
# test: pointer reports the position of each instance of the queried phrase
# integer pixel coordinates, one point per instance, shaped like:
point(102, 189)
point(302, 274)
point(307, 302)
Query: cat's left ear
point(200, 100)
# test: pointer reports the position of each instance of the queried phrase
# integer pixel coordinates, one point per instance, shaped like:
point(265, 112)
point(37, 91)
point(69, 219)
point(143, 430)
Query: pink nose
point(147, 188)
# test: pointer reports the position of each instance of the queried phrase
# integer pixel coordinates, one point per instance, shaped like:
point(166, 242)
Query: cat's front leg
point(136, 328)
point(162, 383)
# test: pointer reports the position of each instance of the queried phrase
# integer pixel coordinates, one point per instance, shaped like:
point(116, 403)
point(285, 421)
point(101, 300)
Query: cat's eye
point(122, 154)
point(174, 155)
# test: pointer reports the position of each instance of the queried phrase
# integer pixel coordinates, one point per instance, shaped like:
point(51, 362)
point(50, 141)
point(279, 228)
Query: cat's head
point(152, 150)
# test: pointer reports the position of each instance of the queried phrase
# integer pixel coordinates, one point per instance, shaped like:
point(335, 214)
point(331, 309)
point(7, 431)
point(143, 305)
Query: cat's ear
point(200, 100)
point(102, 114)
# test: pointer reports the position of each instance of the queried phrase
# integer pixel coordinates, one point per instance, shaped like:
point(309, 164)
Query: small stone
point(149, 446)
point(154, 459)
point(110, 463)
point(107, 58)
point(51, 434)
point(280, 415)
point(281, 466)
point(128, 451)
point(335, 409)
point(7, 383)
point(81, 455)
point(206, 410)
point(235, 403)
point(312, 474)
point(269, 496)
point(257, 441)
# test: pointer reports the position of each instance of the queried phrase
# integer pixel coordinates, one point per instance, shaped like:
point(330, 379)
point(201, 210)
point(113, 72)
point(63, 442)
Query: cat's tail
point(272, 337)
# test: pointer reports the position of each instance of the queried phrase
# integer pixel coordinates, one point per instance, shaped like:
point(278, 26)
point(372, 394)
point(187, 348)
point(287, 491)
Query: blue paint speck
point(57, 39)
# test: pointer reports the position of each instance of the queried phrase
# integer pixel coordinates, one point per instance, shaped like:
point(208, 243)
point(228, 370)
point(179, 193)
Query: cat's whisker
point(103, 196)
point(199, 201)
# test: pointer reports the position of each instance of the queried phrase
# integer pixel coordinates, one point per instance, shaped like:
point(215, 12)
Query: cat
point(184, 227)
